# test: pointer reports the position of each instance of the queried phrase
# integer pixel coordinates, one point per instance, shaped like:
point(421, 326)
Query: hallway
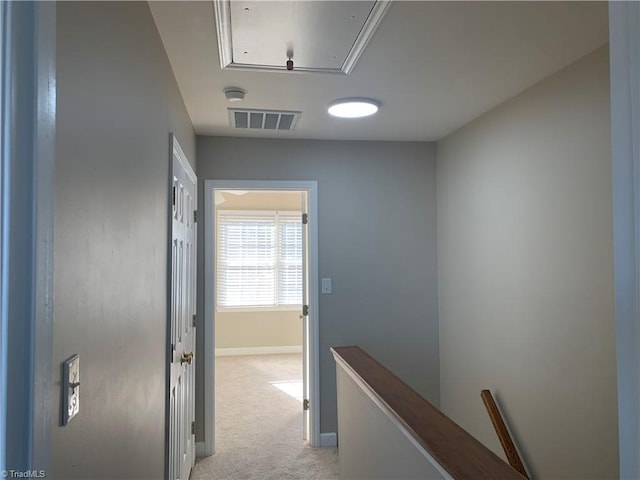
point(259, 423)
point(466, 237)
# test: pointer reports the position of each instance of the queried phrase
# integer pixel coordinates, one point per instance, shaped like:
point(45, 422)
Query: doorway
point(258, 318)
point(296, 216)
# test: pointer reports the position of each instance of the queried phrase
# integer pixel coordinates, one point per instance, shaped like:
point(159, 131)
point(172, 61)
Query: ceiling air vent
point(263, 119)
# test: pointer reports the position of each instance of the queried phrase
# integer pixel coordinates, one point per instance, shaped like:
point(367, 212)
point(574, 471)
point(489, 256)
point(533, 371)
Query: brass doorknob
point(186, 358)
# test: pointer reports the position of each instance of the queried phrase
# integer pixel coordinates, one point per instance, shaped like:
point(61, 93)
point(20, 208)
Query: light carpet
point(259, 424)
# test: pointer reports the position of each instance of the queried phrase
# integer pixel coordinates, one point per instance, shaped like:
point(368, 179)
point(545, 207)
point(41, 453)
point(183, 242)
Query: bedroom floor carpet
point(259, 424)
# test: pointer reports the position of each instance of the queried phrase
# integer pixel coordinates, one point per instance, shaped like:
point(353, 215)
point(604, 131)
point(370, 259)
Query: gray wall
point(117, 102)
point(525, 273)
point(377, 241)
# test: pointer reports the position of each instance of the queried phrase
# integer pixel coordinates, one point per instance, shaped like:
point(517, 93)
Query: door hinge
point(194, 320)
point(173, 200)
point(195, 216)
point(193, 428)
point(305, 310)
point(305, 218)
point(305, 404)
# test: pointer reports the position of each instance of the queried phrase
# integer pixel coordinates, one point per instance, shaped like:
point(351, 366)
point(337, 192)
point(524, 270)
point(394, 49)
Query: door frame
point(27, 167)
point(624, 52)
point(311, 187)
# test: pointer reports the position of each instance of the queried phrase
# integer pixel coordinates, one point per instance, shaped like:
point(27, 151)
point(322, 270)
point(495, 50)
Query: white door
point(305, 315)
point(182, 335)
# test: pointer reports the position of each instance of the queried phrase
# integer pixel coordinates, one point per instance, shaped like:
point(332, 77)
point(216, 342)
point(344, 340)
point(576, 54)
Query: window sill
point(287, 308)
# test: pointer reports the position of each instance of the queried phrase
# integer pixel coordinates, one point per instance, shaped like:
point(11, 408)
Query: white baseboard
point(202, 450)
point(223, 352)
point(329, 439)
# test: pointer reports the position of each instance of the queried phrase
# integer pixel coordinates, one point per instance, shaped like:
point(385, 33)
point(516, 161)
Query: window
point(259, 259)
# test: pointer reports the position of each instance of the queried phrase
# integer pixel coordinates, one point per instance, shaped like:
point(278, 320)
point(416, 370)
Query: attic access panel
point(321, 36)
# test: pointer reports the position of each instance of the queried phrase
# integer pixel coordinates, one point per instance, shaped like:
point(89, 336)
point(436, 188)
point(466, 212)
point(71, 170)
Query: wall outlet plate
point(70, 388)
point(326, 288)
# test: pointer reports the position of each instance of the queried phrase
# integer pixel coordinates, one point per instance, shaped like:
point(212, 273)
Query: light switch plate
point(325, 286)
point(70, 388)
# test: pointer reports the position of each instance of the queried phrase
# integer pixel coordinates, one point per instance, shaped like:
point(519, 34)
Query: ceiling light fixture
point(353, 107)
point(234, 94)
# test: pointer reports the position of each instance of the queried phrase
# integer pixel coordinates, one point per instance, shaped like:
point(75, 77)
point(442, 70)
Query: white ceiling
point(434, 66)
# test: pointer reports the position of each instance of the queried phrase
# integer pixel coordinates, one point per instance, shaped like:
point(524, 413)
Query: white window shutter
point(246, 261)
point(259, 259)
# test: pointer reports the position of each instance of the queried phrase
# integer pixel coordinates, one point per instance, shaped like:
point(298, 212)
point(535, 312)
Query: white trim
point(201, 450)
point(329, 439)
point(228, 352)
point(28, 165)
point(209, 308)
point(5, 115)
point(182, 159)
point(280, 308)
point(624, 48)
point(44, 238)
point(368, 29)
point(222, 9)
point(314, 318)
point(257, 213)
point(388, 412)
point(208, 324)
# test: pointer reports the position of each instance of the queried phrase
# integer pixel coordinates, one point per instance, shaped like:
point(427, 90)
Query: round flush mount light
point(353, 107)
point(234, 94)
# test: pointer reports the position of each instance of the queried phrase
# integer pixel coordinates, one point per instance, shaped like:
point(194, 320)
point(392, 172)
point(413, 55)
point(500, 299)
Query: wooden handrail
point(503, 434)
point(456, 451)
